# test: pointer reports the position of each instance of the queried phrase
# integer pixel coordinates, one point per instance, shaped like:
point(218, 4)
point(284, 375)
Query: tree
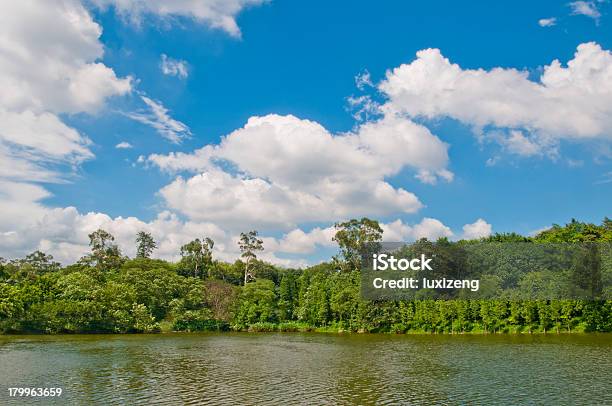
point(356, 238)
point(3, 272)
point(287, 296)
point(576, 231)
point(197, 256)
point(145, 244)
point(586, 271)
point(35, 264)
point(220, 297)
point(249, 244)
point(105, 254)
point(41, 262)
point(607, 224)
point(256, 304)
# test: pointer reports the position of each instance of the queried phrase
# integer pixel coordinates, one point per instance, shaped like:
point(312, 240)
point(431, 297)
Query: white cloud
point(538, 231)
point(363, 108)
point(32, 144)
point(63, 232)
point(276, 171)
point(477, 229)
point(547, 22)
point(124, 145)
point(429, 228)
point(298, 241)
point(49, 65)
point(585, 8)
point(566, 102)
point(157, 117)
point(288, 171)
point(19, 204)
point(220, 14)
point(48, 59)
point(518, 144)
point(300, 152)
point(363, 80)
point(524, 144)
point(173, 67)
point(234, 201)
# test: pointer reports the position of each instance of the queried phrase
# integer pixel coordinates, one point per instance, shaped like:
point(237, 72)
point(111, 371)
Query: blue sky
point(301, 59)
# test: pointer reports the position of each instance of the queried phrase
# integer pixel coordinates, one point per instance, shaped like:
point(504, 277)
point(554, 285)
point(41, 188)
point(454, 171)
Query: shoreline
point(316, 331)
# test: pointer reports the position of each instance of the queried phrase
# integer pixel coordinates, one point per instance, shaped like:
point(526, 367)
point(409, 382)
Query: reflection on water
point(310, 369)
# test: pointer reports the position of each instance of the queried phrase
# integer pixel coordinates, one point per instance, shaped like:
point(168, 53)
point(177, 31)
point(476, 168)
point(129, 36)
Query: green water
point(310, 369)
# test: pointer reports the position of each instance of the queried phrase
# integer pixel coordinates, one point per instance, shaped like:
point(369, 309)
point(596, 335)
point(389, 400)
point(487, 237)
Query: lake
point(310, 369)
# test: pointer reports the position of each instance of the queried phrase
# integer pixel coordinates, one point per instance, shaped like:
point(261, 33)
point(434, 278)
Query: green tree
point(220, 297)
point(105, 254)
point(287, 296)
point(35, 264)
point(356, 239)
point(344, 298)
point(145, 244)
point(196, 256)
point(249, 245)
point(41, 262)
point(257, 303)
point(586, 271)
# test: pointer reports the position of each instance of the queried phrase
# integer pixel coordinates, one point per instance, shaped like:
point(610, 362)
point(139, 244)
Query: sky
point(203, 118)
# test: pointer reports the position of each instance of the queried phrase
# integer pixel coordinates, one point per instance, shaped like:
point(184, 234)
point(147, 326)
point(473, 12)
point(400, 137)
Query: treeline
point(108, 292)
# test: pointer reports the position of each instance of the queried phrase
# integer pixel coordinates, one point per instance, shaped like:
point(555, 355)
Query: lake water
point(310, 369)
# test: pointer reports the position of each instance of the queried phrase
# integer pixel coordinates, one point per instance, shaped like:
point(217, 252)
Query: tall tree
point(355, 237)
point(249, 244)
point(40, 262)
point(145, 244)
point(105, 254)
point(197, 256)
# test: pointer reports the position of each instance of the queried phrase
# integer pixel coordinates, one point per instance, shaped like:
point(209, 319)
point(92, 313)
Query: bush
point(198, 320)
point(262, 327)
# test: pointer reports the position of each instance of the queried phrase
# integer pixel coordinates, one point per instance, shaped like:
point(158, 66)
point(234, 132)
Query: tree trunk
point(246, 271)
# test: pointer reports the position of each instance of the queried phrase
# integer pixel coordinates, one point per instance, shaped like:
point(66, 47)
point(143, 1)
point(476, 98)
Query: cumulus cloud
point(277, 171)
point(156, 116)
point(220, 14)
point(288, 171)
point(567, 102)
point(477, 229)
point(298, 241)
point(52, 65)
point(19, 204)
point(173, 67)
point(50, 68)
point(33, 145)
point(547, 22)
point(63, 232)
point(432, 229)
point(28, 225)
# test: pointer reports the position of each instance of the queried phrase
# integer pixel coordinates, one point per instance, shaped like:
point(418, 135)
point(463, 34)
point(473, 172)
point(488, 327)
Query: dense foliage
point(107, 292)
